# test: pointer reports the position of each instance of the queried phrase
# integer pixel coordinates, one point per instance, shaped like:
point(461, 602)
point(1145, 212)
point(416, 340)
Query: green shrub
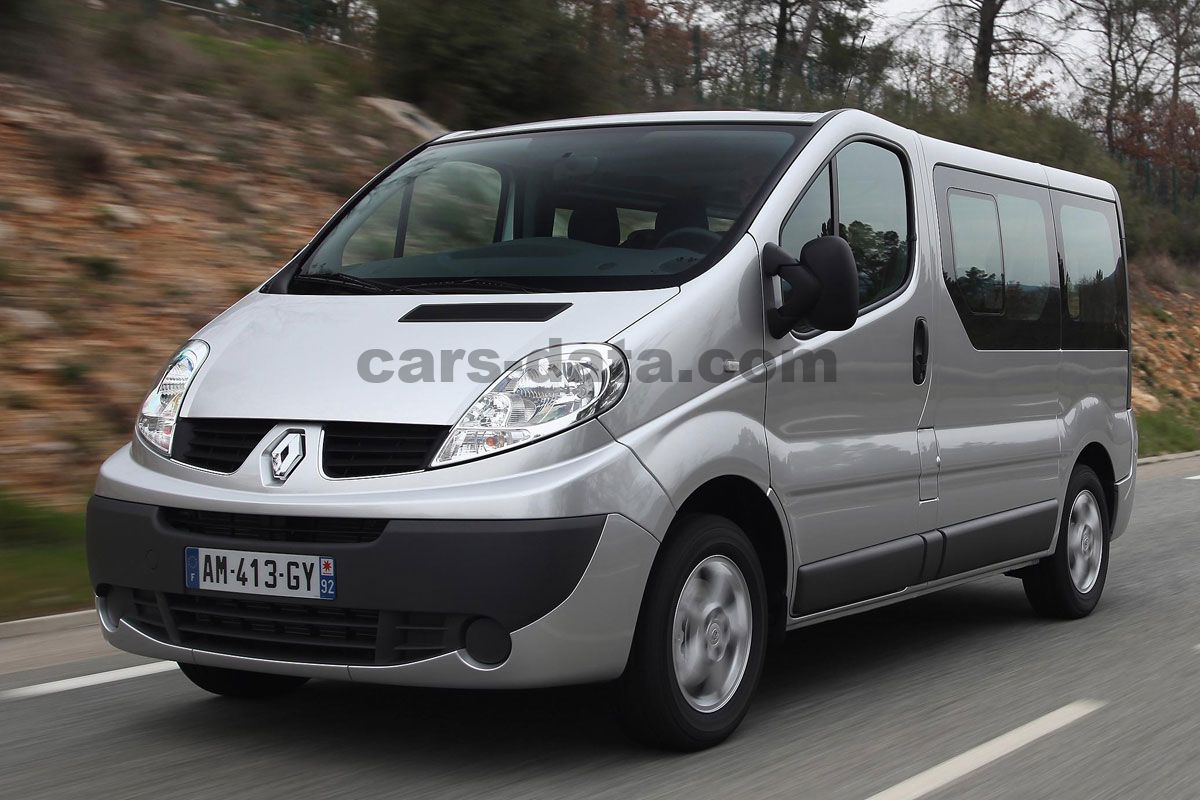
point(100, 268)
point(19, 401)
point(75, 159)
point(73, 373)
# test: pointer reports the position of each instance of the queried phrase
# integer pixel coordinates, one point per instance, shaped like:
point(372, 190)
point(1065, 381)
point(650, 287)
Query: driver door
point(844, 408)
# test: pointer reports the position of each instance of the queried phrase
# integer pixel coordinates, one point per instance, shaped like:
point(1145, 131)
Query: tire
point(714, 560)
point(239, 683)
point(1051, 586)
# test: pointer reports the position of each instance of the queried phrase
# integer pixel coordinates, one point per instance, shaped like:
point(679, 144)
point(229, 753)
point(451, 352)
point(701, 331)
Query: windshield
point(583, 209)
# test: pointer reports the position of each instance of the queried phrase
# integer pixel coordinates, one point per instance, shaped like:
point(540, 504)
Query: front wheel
point(239, 683)
point(1068, 584)
point(698, 650)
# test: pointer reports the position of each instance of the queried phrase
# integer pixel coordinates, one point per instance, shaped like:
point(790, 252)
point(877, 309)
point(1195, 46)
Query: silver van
point(623, 399)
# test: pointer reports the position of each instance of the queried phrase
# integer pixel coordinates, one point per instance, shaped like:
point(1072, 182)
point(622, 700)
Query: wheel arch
point(1096, 456)
point(744, 502)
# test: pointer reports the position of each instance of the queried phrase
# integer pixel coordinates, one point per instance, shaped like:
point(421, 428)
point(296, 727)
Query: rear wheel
point(239, 683)
point(701, 637)
point(1068, 584)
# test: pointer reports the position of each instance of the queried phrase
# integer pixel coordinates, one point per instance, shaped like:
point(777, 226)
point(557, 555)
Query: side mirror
point(824, 283)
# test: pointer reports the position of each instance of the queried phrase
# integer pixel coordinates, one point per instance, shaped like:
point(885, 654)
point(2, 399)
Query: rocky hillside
point(120, 235)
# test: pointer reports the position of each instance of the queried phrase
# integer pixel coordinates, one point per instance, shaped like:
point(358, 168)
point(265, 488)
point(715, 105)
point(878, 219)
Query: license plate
point(272, 574)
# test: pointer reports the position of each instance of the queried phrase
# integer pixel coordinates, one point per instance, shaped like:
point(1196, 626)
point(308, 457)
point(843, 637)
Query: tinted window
point(375, 239)
point(1093, 275)
point(978, 254)
point(454, 206)
point(999, 260)
point(1028, 256)
point(577, 209)
point(811, 217)
point(872, 215)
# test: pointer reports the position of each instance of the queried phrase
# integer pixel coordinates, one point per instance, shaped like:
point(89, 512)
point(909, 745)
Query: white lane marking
point(948, 771)
point(37, 690)
point(1193, 478)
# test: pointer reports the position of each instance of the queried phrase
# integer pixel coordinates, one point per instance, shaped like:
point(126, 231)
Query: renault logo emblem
point(287, 454)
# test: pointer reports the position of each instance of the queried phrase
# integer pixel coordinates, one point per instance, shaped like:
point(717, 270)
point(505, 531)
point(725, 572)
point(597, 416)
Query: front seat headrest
point(595, 223)
point(683, 212)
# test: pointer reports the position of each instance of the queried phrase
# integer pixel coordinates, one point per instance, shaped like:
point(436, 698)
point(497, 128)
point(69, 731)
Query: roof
point(656, 118)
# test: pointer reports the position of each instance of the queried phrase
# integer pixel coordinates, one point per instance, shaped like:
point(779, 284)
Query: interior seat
point(595, 223)
point(681, 212)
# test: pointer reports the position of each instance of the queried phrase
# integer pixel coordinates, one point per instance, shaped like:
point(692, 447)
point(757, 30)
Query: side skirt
point(1001, 541)
point(909, 593)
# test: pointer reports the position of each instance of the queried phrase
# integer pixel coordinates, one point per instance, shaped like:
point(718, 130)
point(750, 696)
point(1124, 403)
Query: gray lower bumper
point(585, 638)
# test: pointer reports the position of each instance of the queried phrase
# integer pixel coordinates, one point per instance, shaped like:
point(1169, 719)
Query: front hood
point(300, 357)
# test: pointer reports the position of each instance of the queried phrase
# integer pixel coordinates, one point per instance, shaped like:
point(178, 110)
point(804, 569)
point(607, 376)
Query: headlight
point(545, 393)
point(156, 422)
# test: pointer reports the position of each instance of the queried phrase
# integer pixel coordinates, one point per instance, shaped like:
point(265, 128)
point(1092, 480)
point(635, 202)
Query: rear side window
point(978, 252)
point(999, 260)
point(1093, 274)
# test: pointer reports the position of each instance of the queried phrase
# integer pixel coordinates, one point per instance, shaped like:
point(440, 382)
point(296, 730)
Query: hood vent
point(485, 312)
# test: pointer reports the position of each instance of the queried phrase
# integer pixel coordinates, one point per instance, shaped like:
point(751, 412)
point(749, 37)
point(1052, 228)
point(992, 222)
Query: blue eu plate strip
point(191, 568)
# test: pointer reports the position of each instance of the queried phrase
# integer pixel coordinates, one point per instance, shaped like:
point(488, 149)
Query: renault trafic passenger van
point(624, 398)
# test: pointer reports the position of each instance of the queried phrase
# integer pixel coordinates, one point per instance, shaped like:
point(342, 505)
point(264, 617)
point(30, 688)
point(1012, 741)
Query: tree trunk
point(806, 37)
point(779, 54)
point(985, 46)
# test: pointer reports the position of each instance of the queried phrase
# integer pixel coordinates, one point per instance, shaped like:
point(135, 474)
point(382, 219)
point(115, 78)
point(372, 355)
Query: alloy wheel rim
point(1085, 542)
point(711, 635)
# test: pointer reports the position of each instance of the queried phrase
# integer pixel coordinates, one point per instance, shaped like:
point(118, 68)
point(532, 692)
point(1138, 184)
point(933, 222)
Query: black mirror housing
point(824, 284)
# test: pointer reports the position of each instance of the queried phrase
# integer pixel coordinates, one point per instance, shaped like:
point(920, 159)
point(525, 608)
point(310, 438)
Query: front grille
point(220, 445)
point(309, 632)
point(146, 614)
point(274, 527)
point(364, 449)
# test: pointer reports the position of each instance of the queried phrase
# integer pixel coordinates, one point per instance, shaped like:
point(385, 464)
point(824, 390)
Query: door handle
point(920, 350)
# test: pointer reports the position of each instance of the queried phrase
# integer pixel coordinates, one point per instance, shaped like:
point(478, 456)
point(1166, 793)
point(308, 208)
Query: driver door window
point(869, 209)
point(812, 217)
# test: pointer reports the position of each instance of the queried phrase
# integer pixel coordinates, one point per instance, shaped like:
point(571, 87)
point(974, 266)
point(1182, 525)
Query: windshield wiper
point(342, 280)
point(482, 285)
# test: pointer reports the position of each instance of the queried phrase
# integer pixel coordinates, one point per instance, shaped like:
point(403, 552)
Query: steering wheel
point(700, 240)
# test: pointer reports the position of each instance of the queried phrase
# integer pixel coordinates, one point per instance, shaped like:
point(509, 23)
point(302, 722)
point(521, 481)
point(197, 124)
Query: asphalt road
point(848, 709)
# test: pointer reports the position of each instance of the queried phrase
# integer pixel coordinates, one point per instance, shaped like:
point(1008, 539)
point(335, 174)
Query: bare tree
point(1179, 23)
point(993, 29)
point(1125, 75)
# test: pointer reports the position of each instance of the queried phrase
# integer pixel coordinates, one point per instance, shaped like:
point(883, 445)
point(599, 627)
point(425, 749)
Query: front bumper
point(567, 589)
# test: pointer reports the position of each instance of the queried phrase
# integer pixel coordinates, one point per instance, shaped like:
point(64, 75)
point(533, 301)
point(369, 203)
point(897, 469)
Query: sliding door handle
point(920, 351)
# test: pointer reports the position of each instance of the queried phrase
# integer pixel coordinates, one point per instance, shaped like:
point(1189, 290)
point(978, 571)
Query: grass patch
point(43, 568)
point(1171, 430)
point(274, 78)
